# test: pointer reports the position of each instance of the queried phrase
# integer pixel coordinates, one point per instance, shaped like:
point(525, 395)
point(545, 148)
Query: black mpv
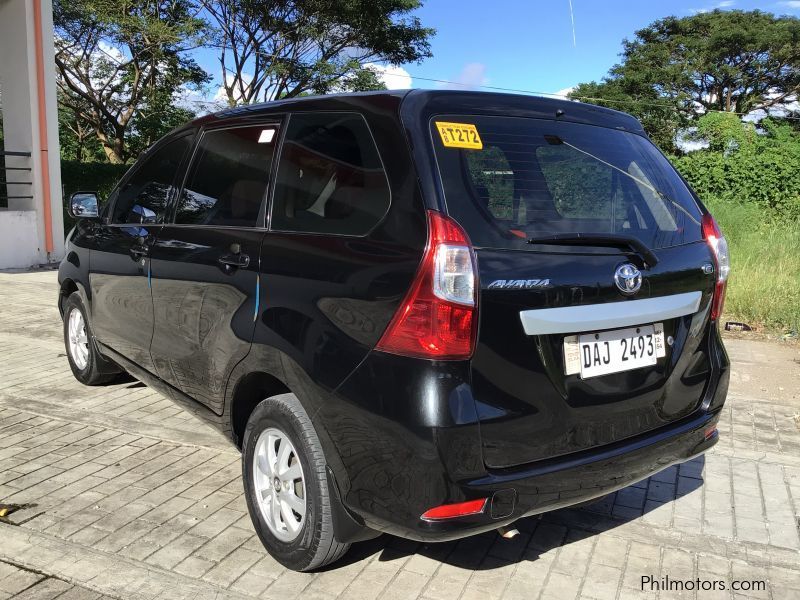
point(426, 313)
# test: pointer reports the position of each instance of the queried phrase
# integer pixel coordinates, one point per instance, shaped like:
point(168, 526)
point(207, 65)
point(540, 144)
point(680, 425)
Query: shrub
point(745, 166)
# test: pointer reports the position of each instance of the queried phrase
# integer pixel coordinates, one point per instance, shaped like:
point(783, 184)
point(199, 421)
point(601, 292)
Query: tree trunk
point(112, 155)
point(113, 148)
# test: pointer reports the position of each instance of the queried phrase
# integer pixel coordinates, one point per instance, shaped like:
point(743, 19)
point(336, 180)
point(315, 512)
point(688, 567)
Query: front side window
point(330, 178)
point(228, 178)
point(144, 196)
point(533, 178)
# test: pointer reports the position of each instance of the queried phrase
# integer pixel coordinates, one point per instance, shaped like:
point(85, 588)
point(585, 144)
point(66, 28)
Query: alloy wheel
point(279, 484)
point(78, 340)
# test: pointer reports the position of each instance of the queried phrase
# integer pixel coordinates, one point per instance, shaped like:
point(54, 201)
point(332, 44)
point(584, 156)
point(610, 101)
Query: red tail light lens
point(450, 511)
point(719, 248)
point(437, 318)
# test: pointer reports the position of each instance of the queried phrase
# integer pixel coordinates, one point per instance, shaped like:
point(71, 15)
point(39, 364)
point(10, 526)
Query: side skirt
point(219, 422)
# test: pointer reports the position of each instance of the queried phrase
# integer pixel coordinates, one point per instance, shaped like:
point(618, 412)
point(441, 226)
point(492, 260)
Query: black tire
point(98, 369)
point(315, 546)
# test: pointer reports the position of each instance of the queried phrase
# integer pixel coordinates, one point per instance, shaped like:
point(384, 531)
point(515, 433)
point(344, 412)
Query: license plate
point(604, 352)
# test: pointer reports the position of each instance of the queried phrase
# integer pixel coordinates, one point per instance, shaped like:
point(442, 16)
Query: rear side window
point(532, 178)
point(228, 178)
point(144, 196)
point(330, 178)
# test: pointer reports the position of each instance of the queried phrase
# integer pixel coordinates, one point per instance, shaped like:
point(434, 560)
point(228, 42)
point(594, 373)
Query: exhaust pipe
point(507, 533)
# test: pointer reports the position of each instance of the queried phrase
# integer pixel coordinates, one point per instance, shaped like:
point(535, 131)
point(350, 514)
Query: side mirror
point(84, 205)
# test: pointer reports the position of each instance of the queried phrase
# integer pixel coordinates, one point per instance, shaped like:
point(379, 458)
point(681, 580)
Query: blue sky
point(528, 44)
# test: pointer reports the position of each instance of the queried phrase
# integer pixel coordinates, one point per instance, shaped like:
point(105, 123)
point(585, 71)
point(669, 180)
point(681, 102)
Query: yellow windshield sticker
point(459, 135)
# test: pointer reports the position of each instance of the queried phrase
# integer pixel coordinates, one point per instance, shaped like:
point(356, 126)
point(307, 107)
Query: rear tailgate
point(530, 409)
point(568, 358)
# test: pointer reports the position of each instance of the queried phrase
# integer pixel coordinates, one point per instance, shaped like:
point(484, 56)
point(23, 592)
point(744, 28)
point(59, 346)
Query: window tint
point(494, 180)
point(228, 178)
point(577, 182)
point(533, 178)
point(330, 178)
point(143, 198)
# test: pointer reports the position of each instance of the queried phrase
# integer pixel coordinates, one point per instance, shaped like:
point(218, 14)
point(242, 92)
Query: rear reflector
point(437, 318)
point(450, 511)
point(710, 432)
point(719, 248)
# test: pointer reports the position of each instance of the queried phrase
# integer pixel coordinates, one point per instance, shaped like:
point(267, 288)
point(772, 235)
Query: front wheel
point(86, 362)
point(283, 467)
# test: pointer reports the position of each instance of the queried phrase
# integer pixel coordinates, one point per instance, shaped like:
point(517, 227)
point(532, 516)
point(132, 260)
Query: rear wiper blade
point(599, 239)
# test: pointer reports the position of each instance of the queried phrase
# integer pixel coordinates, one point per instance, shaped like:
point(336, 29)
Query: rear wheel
point(86, 362)
point(283, 467)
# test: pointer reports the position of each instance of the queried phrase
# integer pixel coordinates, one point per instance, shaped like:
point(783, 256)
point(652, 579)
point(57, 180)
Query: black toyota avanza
point(427, 313)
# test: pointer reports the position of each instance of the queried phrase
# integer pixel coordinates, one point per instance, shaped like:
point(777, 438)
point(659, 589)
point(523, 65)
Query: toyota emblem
point(628, 279)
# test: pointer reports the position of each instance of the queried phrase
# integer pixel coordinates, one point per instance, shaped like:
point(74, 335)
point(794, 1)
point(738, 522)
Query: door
point(204, 266)
point(122, 307)
point(326, 265)
point(595, 285)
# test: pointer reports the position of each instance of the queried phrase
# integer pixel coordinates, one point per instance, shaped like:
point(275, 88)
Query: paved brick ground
point(22, 584)
point(130, 497)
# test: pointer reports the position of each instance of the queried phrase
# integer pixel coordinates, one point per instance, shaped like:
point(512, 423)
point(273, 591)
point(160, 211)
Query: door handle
point(138, 251)
point(234, 260)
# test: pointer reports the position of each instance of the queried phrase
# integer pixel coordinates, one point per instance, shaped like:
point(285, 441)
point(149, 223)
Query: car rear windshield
point(508, 180)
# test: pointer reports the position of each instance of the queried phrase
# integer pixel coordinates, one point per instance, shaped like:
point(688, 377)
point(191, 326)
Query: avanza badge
point(459, 135)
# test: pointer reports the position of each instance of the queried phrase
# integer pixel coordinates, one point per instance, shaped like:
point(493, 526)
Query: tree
point(747, 165)
point(271, 49)
point(118, 61)
point(660, 118)
point(77, 139)
point(733, 61)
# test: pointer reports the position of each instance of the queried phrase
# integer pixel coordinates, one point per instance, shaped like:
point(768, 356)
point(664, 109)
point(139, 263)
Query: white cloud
point(111, 52)
point(222, 96)
point(790, 3)
point(563, 92)
point(722, 4)
point(473, 75)
point(394, 78)
point(197, 100)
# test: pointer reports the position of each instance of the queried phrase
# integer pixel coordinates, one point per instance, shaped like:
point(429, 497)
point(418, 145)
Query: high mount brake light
point(438, 317)
point(719, 248)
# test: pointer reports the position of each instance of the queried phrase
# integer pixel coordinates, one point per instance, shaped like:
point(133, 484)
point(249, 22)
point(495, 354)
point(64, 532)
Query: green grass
point(764, 285)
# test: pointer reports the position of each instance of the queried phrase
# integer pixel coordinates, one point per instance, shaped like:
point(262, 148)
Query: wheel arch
point(249, 390)
point(67, 287)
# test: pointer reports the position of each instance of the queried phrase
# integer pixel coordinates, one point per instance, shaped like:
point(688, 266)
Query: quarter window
point(330, 178)
point(228, 178)
point(144, 196)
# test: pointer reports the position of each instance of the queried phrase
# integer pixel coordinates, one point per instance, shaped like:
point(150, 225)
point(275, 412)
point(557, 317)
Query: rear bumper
point(550, 485)
point(416, 444)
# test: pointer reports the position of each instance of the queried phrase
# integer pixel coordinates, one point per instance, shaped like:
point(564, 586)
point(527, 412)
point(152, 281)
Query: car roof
point(425, 103)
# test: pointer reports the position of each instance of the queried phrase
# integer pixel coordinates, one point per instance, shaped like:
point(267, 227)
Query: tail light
point(438, 317)
point(719, 248)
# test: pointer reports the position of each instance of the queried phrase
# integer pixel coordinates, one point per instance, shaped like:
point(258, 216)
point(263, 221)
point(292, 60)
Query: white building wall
point(17, 229)
point(22, 237)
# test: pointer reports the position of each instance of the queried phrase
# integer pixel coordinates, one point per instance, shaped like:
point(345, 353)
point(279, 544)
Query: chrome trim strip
point(593, 317)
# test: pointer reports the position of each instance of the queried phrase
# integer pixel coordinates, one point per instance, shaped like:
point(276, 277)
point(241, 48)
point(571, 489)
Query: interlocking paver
point(134, 498)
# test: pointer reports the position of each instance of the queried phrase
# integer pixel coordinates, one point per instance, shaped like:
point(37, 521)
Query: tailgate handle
point(608, 315)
